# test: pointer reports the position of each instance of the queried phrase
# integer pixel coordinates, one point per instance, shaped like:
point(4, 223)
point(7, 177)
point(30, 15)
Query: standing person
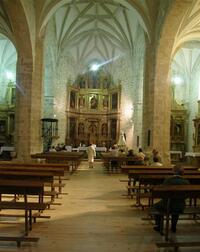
point(177, 205)
point(91, 154)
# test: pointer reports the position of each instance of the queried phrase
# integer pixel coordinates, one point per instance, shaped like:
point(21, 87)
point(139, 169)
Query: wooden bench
point(24, 188)
point(154, 176)
point(72, 159)
point(177, 245)
point(166, 192)
point(18, 239)
point(26, 206)
point(127, 168)
point(57, 169)
point(120, 160)
point(146, 181)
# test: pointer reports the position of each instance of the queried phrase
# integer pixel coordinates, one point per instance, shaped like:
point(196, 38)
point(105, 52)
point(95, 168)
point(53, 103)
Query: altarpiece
point(93, 110)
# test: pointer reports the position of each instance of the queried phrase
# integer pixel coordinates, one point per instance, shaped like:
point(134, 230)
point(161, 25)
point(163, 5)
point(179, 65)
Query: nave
point(94, 216)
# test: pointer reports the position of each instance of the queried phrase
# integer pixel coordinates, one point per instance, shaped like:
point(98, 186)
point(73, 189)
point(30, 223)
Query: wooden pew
point(151, 177)
point(147, 181)
point(24, 188)
point(127, 168)
point(121, 159)
point(55, 170)
point(135, 174)
point(166, 192)
point(72, 159)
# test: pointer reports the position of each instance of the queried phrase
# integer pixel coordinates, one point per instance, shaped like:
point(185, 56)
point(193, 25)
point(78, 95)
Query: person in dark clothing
point(130, 155)
point(177, 205)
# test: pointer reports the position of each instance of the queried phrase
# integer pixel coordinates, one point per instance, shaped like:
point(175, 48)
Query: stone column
point(148, 95)
point(29, 81)
point(157, 105)
point(23, 108)
point(37, 99)
point(157, 98)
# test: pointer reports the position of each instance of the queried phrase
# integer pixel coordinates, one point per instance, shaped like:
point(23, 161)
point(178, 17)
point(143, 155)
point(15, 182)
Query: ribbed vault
point(101, 30)
point(5, 27)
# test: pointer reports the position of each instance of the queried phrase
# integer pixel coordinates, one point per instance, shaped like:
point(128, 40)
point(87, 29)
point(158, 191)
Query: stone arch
point(161, 93)
point(24, 77)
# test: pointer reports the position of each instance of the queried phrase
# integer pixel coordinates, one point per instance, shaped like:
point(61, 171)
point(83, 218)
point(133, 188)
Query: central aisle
point(94, 216)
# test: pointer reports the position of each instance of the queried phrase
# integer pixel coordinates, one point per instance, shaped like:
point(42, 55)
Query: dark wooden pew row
point(127, 168)
point(29, 175)
point(167, 192)
point(158, 174)
point(121, 160)
point(56, 170)
point(148, 180)
point(33, 164)
point(24, 188)
point(72, 159)
point(134, 175)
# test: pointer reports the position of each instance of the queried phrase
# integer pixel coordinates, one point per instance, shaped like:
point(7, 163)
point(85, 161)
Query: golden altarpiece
point(196, 137)
point(7, 116)
point(178, 127)
point(93, 110)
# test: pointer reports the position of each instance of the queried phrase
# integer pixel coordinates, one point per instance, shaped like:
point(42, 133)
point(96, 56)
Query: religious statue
point(81, 129)
point(93, 128)
point(104, 129)
point(82, 82)
point(105, 101)
point(81, 101)
point(198, 136)
point(94, 102)
point(122, 142)
point(114, 100)
point(72, 99)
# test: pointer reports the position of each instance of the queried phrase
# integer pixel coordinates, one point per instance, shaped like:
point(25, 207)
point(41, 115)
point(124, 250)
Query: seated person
point(130, 154)
point(52, 149)
point(156, 154)
point(114, 152)
point(140, 157)
point(177, 205)
point(58, 147)
point(156, 163)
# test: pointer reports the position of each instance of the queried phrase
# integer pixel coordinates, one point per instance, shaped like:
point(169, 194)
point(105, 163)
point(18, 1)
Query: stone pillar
point(157, 98)
point(148, 96)
point(29, 81)
point(37, 99)
point(23, 108)
point(157, 105)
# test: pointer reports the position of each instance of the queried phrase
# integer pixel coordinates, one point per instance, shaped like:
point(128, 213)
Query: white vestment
point(91, 153)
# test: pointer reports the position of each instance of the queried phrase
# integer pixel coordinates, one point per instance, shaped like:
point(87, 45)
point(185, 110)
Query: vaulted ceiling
point(95, 29)
point(5, 26)
point(101, 28)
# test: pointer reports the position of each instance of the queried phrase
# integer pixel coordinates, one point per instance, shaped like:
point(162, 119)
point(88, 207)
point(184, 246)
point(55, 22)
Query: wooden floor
point(95, 217)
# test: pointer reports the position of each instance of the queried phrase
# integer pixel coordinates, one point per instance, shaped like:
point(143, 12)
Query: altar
point(176, 156)
point(193, 158)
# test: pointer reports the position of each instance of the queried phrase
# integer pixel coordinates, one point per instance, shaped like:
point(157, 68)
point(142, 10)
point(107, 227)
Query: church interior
point(81, 72)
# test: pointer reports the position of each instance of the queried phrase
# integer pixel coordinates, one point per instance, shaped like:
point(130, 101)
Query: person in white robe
point(91, 152)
